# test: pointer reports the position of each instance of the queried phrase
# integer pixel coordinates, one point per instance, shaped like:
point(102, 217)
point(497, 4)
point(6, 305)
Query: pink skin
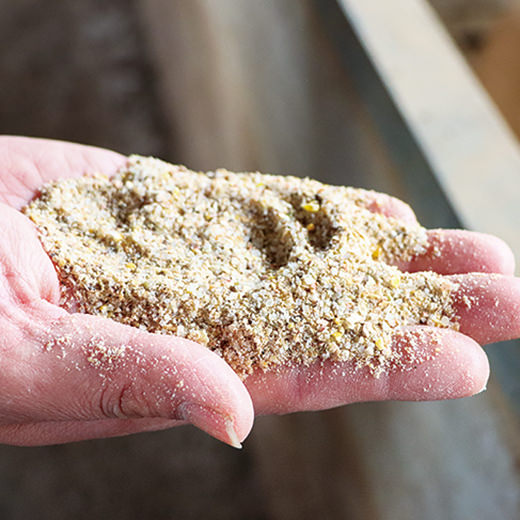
point(52, 393)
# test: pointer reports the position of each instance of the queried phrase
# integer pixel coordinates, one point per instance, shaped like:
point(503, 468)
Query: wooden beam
point(470, 149)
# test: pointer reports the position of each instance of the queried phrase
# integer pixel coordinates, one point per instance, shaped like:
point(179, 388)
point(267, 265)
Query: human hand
point(53, 390)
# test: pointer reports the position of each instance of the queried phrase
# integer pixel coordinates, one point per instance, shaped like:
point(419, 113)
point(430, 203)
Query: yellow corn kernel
point(377, 253)
point(395, 281)
point(311, 207)
point(337, 334)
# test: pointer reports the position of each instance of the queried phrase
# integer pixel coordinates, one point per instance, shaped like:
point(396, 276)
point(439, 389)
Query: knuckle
point(120, 402)
point(132, 400)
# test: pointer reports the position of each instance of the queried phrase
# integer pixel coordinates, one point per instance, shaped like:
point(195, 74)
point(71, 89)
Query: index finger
point(449, 251)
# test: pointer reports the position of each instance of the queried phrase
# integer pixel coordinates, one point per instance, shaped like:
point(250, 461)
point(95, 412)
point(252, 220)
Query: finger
point(450, 251)
point(454, 251)
point(24, 263)
point(88, 368)
point(46, 433)
point(389, 206)
point(28, 163)
point(488, 306)
point(437, 364)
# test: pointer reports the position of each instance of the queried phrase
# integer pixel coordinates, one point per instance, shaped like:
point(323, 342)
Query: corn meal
point(264, 270)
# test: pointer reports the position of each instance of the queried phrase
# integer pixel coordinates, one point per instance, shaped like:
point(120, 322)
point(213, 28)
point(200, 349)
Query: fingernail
point(232, 435)
point(484, 388)
point(218, 425)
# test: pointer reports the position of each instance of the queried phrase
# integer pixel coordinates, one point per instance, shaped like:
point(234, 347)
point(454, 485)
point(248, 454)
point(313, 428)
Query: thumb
point(88, 368)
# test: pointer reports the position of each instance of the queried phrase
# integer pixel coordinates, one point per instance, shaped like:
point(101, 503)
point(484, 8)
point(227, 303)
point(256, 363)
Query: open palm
point(54, 391)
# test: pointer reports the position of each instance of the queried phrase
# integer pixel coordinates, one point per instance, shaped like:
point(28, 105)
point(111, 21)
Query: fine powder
point(264, 270)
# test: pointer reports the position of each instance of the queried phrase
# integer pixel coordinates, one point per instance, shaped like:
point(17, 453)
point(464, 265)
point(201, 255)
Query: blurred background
point(282, 86)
